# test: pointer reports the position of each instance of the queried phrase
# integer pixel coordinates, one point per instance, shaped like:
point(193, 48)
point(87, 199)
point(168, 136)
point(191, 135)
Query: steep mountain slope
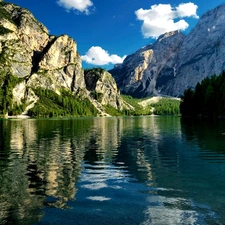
point(202, 53)
point(146, 71)
point(31, 58)
point(175, 62)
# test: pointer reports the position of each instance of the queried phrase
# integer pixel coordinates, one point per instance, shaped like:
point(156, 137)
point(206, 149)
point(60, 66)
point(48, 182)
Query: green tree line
point(138, 109)
point(167, 107)
point(6, 95)
point(51, 104)
point(206, 100)
point(164, 107)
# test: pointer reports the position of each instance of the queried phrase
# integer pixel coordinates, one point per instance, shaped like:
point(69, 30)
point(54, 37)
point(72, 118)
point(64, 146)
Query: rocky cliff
point(30, 57)
point(175, 61)
point(202, 53)
point(146, 71)
point(103, 88)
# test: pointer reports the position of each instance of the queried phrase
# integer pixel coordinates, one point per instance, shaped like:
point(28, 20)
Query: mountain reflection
point(51, 163)
point(44, 158)
point(152, 144)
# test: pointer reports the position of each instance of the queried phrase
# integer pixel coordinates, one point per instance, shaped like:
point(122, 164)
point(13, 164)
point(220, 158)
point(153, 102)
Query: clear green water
point(143, 170)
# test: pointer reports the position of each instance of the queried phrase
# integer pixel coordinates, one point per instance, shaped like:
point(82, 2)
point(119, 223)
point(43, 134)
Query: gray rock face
point(202, 53)
point(142, 73)
point(176, 62)
point(103, 88)
point(30, 52)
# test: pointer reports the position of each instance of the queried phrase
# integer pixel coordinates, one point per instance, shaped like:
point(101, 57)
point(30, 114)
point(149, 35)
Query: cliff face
point(103, 88)
point(202, 53)
point(142, 73)
point(176, 62)
point(28, 52)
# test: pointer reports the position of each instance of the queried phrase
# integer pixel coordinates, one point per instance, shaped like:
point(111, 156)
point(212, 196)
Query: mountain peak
point(177, 61)
point(168, 34)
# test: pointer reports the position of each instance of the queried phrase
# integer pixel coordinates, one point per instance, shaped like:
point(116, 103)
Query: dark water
point(144, 170)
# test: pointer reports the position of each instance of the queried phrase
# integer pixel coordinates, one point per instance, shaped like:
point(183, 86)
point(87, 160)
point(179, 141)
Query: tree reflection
point(209, 133)
point(39, 159)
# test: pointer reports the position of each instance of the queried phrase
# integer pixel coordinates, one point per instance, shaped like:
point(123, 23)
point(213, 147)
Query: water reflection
point(16, 203)
point(43, 159)
point(146, 170)
point(208, 134)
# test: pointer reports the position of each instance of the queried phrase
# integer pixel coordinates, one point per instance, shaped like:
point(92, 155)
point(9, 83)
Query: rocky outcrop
point(103, 88)
point(25, 37)
point(176, 62)
point(28, 51)
point(37, 59)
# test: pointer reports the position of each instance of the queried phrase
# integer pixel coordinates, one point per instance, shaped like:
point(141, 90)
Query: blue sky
point(108, 30)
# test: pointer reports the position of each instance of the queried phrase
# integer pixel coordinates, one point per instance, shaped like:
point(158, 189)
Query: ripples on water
point(144, 170)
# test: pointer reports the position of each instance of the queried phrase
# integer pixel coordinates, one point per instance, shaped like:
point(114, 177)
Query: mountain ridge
point(200, 54)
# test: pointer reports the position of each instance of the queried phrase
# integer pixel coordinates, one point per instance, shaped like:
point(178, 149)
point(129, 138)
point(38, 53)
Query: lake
point(125, 170)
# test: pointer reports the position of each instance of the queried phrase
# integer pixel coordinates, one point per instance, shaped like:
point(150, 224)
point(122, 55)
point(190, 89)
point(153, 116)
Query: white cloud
point(161, 18)
point(80, 5)
point(187, 10)
point(98, 56)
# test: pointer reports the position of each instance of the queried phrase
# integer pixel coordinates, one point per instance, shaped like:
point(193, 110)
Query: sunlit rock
point(143, 73)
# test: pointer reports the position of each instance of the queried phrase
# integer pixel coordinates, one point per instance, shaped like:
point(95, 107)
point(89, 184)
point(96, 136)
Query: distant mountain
point(175, 62)
point(146, 71)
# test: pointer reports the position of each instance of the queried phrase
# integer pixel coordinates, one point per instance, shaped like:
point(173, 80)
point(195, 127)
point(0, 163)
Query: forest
point(206, 100)
point(6, 95)
point(166, 107)
point(51, 104)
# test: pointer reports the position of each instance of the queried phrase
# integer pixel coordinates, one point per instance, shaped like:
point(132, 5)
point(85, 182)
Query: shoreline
point(17, 117)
